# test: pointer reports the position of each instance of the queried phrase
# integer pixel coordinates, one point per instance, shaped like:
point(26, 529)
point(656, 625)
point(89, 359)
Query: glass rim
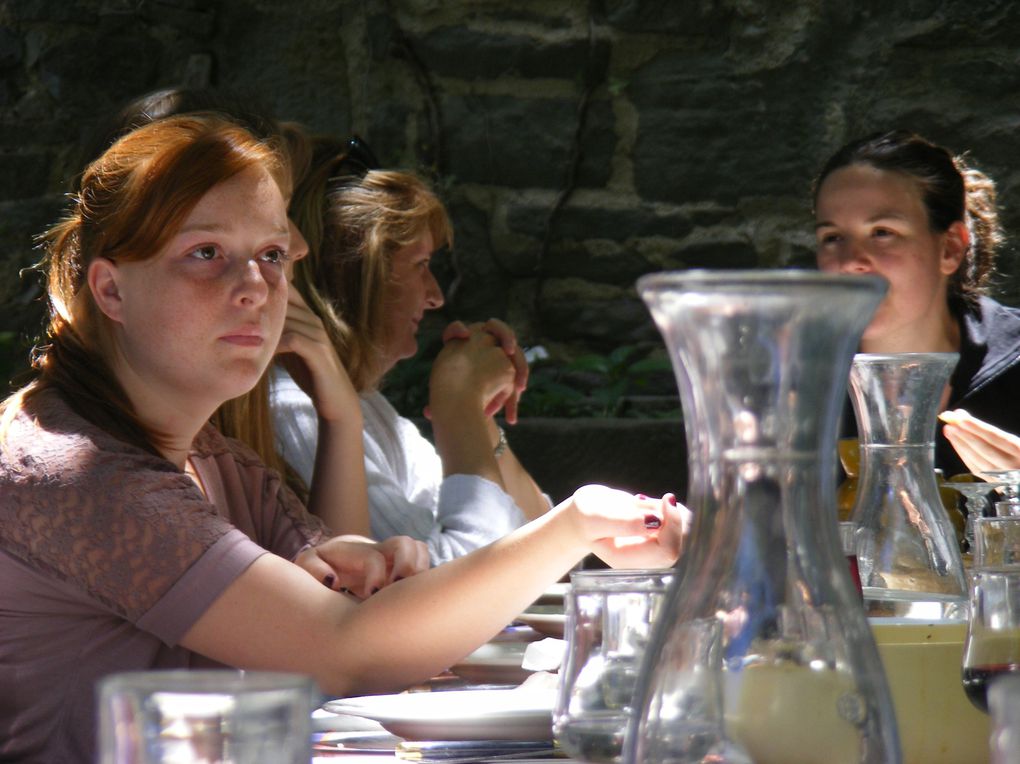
point(899, 357)
point(201, 681)
point(1006, 572)
point(621, 579)
point(758, 277)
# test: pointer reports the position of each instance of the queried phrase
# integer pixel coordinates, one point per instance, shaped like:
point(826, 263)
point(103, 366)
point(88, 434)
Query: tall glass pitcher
point(762, 359)
point(907, 551)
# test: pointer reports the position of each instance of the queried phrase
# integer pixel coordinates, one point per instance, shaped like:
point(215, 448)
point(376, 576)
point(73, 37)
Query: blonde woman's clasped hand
point(508, 396)
point(472, 370)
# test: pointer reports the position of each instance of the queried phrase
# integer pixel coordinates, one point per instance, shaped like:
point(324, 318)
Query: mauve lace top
point(108, 555)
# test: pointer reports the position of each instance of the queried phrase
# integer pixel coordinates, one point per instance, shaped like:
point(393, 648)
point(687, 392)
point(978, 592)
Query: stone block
point(382, 36)
point(70, 11)
point(579, 222)
point(125, 64)
point(524, 142)
point(466, 53)
point(664, 16)
point(480, 288)
point(599, 261)
point(16, 134)
point(10, 48)
point(639, 456)
point(705, 134)
point(599, 315)
point(24, 175)
point(721, 255)
point(22, 310)
point(389, 119)
point(293, 61)
point(197, 21)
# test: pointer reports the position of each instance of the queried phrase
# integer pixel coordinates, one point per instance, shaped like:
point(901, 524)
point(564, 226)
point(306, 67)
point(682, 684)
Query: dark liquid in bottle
point(977, 679)
point(855, 572)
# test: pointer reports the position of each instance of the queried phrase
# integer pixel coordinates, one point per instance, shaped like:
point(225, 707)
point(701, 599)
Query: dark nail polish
point(375, 590)
point(329, 581)
point(642, 497)
point(398, 578)
point(671, 499)
point(651, 521)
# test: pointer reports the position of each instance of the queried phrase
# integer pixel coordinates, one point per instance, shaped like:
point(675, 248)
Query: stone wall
point(578, 144)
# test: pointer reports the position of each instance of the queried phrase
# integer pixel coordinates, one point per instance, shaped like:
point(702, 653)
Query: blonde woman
point(372, 234)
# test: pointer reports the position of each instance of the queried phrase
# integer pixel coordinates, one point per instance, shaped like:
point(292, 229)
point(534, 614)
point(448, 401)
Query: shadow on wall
point(646, 456)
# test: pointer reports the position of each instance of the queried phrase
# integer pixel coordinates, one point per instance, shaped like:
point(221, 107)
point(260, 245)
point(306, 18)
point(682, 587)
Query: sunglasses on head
point(355, 161)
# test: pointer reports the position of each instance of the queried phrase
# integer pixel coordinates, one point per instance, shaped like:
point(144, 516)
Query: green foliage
point(631, 381)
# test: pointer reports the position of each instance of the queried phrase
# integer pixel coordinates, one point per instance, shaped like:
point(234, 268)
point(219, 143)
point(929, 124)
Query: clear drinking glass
point(996, 542)
point(199, 717)
point(761, 360)
point(976, 500)
point(992, 646)
point(1009, 485)
point(609, 620)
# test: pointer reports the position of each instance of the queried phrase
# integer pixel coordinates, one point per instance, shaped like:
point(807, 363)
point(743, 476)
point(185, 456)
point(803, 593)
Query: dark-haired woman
point(900, 206)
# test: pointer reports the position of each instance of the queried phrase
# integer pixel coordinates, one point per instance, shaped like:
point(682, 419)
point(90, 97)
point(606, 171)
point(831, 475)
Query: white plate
point(458, 714)
point(494, 663)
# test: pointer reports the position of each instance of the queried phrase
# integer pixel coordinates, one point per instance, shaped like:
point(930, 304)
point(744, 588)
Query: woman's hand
point(507, 340)
point(310, 358)
point(981, 446)
point(631, 531)
point(362, 566)
point(471, 369)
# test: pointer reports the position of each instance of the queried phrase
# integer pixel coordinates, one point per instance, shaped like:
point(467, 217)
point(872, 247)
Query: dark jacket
point(986, 381)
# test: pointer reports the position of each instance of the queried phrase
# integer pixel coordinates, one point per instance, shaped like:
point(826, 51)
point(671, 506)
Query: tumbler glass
point(996, 542)
point(609, 619)
point(201, 717)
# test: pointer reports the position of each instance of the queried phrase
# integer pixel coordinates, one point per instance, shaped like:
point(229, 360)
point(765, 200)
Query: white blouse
point(407, 493)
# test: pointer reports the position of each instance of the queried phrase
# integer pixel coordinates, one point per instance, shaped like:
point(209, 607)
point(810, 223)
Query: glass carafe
point(761, 360)
point(907, 551)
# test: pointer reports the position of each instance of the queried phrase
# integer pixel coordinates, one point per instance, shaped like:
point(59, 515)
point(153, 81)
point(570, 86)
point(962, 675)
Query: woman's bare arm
point(276, 616)
point(338, 493)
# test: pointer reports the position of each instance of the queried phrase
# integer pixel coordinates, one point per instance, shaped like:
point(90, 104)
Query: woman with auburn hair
point(899, 206)
point(134, 536)
point(372, 234)
point(341, 502)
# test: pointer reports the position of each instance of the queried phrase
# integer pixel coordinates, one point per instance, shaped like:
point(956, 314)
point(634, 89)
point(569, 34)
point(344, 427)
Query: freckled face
point(412, 290)
point(872, 221)
point(202, 318)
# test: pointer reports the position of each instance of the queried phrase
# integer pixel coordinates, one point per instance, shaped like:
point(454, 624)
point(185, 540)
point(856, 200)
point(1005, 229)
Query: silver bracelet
point(501, 445)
